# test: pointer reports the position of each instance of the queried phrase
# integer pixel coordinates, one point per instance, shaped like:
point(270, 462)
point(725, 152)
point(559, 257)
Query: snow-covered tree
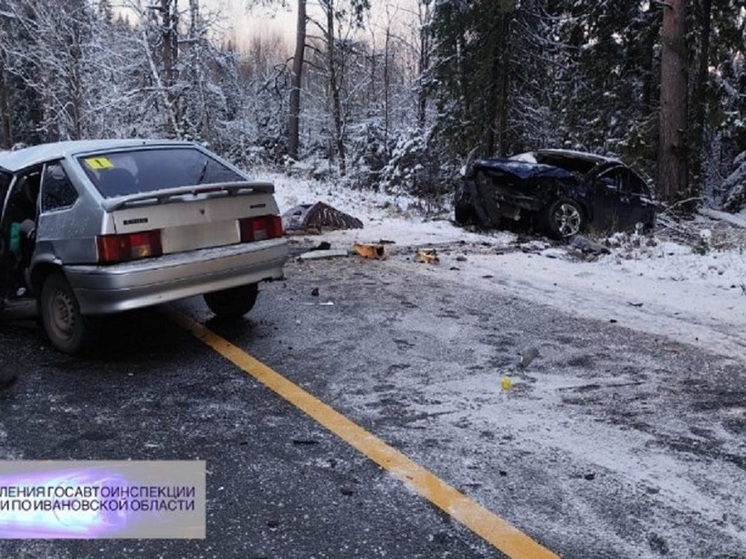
point(389, 107)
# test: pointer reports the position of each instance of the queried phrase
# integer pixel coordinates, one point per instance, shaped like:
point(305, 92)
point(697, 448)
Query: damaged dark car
point(563, 192)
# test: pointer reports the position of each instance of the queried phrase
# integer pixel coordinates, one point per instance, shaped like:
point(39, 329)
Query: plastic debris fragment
point(318, 217)
point(372, 252)
point(527, 356)
point(427, 256)
point(320, 254)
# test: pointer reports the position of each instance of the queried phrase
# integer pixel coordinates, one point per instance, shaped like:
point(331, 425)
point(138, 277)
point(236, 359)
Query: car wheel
point(67, 329)
point(463, 206)
point(234, 302)
point(565, 218)
point(464, 214)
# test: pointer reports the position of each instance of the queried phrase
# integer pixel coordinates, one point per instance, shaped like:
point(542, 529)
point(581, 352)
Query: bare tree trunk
point(464, 97)
point(498, 107)
point(197, 37)
point(169, 56)
point(297, 81)
point(335, 93)
point(171, 120)
point(5, 130)
point(74, 105)
point(494, 98)
point(386, 89)
point(699, 93)
point(74, 128)
point(504, 110)
point(425, 17)
point(673, 153)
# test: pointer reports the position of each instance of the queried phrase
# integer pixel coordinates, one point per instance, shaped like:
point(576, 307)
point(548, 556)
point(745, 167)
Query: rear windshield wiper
point(203, 172)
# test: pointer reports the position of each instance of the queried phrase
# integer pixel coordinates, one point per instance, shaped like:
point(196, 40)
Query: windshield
point(147, 170)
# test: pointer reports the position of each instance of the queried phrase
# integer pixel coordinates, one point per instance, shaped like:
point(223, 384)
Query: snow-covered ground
point(687, 283)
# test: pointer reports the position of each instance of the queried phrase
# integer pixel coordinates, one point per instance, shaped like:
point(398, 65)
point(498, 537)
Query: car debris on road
point(370, 251)
point(317, 218)
point(427, 256)
point(587, 246)
point(324, 253)
point(527, 356)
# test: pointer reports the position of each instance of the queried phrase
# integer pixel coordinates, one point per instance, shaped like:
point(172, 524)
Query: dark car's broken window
point(148, 170)
point(637, 186)
point(625, 181)
point(573, 164)
point(614, 178)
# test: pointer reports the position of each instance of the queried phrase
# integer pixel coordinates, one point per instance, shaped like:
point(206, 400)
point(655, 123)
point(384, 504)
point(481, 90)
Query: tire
point(464, 214)
point(67, 329)
point(564, 218)
point(232, 303)
point(462, 205)
point(465, 204)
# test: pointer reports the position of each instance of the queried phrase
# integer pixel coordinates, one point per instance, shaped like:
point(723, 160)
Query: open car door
point(19, 195)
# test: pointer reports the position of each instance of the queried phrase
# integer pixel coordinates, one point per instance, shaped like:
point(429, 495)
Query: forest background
point(398, 102)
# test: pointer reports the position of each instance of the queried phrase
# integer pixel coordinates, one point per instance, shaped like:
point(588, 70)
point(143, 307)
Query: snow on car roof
point(522, 168)
point(25, 157)
point(531, 156)
point(575, 154)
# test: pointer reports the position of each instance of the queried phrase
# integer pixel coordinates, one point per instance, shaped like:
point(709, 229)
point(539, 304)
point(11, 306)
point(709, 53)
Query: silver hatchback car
point(96, 227)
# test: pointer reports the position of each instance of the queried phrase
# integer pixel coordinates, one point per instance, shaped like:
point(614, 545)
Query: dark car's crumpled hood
point(521, 169)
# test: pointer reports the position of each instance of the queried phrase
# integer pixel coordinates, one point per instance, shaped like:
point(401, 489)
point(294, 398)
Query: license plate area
point(201, 235)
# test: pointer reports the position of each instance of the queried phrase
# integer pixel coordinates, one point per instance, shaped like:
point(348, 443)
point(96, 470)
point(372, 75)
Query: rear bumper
point(132, 285)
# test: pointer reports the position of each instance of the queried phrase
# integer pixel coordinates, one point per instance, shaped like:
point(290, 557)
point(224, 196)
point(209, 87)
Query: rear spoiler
point(164, 196)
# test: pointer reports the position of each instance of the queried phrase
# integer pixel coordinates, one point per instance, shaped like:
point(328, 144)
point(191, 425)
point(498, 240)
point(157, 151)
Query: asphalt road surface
point(610, 444)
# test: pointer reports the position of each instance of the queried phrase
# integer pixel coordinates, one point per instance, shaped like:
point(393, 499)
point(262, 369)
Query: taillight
point(260, 228)
point(131, 246)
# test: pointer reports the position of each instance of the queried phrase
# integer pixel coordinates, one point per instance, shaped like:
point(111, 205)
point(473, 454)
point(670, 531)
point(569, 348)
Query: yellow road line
point(496, 531)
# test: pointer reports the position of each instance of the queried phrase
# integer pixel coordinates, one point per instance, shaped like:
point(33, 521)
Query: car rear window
point(120, 173)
